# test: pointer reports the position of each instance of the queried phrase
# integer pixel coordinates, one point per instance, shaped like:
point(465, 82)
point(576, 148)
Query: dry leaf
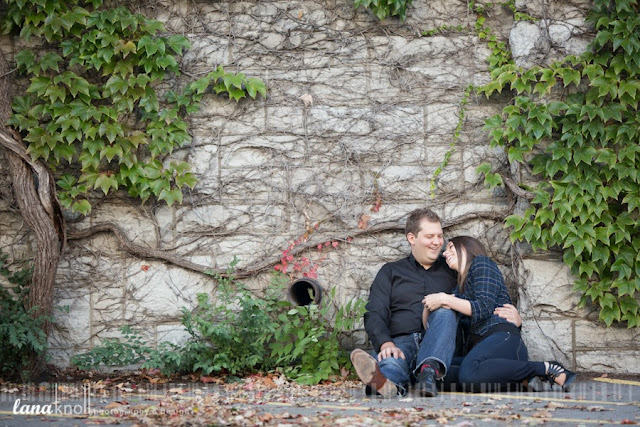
point(113, 405)
point(307, 99)
point(555, 405)
point(363, 223)
point(344, 372)
point(300, 14)
point(541, 414)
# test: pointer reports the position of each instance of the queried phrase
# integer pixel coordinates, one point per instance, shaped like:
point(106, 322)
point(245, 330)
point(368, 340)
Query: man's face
point(426, 246)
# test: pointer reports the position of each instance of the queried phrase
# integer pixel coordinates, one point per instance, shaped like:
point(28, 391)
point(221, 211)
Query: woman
point(497, 353)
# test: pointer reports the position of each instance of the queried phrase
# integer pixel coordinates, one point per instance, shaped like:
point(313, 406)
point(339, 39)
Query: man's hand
point(389, 349)
point(435, 301)
point(510, 313)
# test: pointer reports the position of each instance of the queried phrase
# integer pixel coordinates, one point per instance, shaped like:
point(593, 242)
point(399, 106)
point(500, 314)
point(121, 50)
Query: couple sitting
point(412, 320)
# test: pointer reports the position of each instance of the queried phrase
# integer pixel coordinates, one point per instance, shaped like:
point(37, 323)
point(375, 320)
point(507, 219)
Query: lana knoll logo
point(23, 407)
point(49, 409)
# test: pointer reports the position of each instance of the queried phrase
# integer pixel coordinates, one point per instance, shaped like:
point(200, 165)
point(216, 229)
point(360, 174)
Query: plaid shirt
point(484, 288)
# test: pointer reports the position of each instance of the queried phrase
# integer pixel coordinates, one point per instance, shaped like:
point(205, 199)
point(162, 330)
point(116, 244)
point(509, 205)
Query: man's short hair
point(415, 218)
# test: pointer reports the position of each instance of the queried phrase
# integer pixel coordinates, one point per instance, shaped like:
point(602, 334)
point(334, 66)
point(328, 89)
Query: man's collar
point(415, 262)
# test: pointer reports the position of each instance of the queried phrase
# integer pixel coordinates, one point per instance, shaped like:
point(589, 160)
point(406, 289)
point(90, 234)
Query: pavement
point(592, 401)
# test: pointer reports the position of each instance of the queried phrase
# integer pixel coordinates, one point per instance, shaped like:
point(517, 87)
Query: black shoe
point(555, 370)
point(426, 383)
point(537, 384)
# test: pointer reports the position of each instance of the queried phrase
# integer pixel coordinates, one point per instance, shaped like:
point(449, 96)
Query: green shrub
point(307, 346)
point(242, 333)
point(22, 334)
point(115, 352)
point(231, 336)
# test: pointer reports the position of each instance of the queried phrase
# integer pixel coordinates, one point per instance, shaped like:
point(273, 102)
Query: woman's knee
point(467, 373)
point(445, 315)
point(442, 311)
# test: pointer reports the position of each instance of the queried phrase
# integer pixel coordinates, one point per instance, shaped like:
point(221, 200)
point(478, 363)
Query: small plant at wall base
point(386, 8)
point(242, 334)
point(129, 350)
point(583, 144)
point(21, 330)
point(307, 344)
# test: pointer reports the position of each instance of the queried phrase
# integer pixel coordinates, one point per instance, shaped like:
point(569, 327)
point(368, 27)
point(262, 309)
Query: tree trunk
point(35, 193)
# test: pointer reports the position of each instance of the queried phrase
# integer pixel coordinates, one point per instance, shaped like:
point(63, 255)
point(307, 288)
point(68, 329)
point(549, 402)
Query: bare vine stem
point(261, 265)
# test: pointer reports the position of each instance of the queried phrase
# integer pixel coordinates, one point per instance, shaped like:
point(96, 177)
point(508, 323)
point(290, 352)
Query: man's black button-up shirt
point(395, 299)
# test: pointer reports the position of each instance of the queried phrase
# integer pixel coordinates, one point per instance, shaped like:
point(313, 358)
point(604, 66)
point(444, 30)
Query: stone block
point(259, 185)
point(138, 228)
point(477, 155)
point(442, 120)
point(216, 219)
point(60, 357)
point(404, 180)
point(72, 320)
point(594, 336)
point(160, 292)
point(613, 361)
point(107, 302)
point(327, 120)
point(549, 289)
point(339, 84)
point(397, 121)
point(83, 268)
point(206, 52)
point(453, 211)
point(523, 41)
point(173, 333)
point(549, 340)
point(219, 115)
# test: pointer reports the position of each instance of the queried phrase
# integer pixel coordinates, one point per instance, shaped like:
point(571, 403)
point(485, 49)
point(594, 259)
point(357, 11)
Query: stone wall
point(360, 114)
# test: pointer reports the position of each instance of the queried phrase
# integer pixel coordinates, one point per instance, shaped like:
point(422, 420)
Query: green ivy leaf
point(609, 314)
point(255, 86)
point(171, 196)
point(106, 182)
point(81, 206)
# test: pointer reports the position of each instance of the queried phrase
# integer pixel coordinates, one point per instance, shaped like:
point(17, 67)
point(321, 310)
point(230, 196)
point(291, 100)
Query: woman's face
point(452, 256)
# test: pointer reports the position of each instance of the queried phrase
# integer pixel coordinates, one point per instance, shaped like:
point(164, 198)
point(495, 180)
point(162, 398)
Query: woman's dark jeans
point(496, 363)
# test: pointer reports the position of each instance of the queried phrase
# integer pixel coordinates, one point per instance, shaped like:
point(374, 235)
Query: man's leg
point(399, 370)
point(390, 376)
point(369, 373)
point(436, 350)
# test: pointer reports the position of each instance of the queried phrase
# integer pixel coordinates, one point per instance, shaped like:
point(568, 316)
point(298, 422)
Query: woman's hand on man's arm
point(510, 313)
point(440, 299)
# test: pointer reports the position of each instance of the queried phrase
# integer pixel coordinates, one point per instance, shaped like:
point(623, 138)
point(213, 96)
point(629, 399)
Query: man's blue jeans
point(437, 344)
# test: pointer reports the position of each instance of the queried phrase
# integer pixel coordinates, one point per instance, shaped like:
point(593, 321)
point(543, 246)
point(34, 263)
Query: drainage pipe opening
point(305, 291)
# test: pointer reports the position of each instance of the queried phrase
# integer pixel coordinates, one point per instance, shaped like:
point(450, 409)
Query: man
point(393, 319)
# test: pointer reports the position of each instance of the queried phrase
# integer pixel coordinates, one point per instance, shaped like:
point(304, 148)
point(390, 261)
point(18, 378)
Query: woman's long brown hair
point(472, 247)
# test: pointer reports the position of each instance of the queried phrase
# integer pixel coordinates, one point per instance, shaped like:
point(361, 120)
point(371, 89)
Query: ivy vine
point(93, 108)
point(575, 126)
point(386, 8)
